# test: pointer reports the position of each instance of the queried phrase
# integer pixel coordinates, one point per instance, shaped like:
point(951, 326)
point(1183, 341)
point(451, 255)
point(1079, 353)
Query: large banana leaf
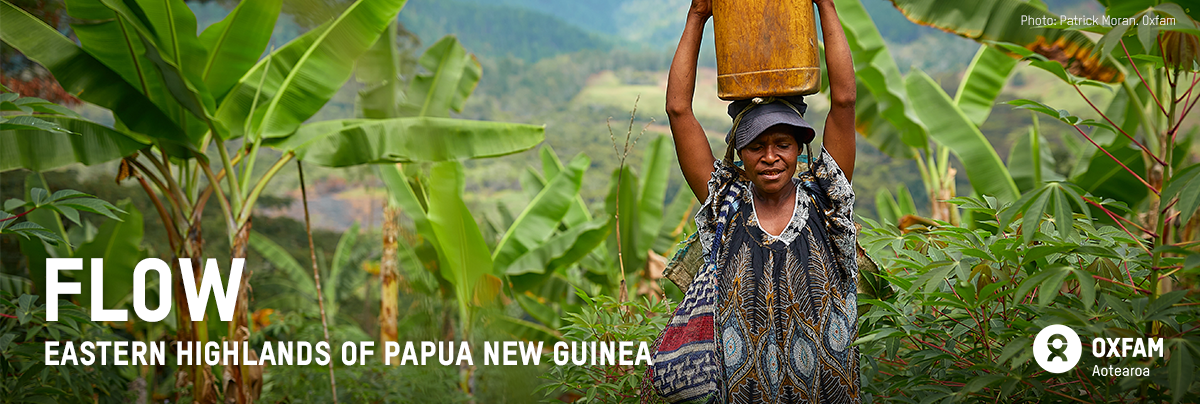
point(235, 43)
point(467, 259)
point(401, 193)
point(1001, 21)
point(298, 277)
point(625, 189)
point(305, 73)
point(453, 75)
point(350, 142)
point(950, 126)
point(293, 277)
point(119, 243)
point(114, 41)
point(379, 70)
point(578, 213)
point(678, 213)
point(167, 31)
point(658, 163)
point(82, 74)
point(341, 262)
point(174, 28)
point(982, 83)
point(869, 121)
point(877, 71)
point(89, 143)
point(540, 218)
point(563, 250)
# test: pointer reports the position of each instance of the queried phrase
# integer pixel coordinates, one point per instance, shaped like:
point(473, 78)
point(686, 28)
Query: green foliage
point(1001, 20)
point(602, 318)
point(985, 79)
point(1186, 186)
point(283, 90)
point(538, 222)
point(23, 331)
point(375, 383)
point(13, 102)
point(81, 73)
point(969, 301)
point(67, 203)
point(235, 43)
point(45, 136)
point(949, 126)
point(884, 115)
point(340, 278)
point(119, 243)
point(350, 142)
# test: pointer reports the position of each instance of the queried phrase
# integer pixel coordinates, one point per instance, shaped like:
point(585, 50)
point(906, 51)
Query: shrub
point(970, 302)
point(601, 319)
point(23, 331)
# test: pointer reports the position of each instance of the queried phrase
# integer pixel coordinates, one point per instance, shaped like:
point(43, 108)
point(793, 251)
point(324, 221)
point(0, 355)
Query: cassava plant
point(1109, 249)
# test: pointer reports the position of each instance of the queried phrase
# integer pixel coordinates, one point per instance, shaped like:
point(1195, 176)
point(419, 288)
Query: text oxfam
point(1124, 347)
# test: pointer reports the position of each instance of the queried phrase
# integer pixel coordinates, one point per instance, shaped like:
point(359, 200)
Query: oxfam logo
point(1057, 348)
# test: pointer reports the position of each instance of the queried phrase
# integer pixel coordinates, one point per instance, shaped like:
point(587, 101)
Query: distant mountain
point(656, 24)
point(598, 16)
point(499, 30)
point(532, 30)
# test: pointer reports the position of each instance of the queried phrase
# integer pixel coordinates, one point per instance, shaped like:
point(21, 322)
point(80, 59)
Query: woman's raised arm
point(839, 125)
point(691, 145)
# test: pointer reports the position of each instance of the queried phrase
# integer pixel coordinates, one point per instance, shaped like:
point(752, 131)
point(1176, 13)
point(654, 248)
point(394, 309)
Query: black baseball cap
point(759, 114)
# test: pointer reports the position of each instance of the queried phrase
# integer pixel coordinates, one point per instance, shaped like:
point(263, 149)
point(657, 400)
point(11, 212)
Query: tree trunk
point(389, 274)
point(190, 330)
point(940, 209)
point(243, 383)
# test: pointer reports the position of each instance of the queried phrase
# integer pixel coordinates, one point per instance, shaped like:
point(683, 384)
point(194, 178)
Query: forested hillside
point(498, 30)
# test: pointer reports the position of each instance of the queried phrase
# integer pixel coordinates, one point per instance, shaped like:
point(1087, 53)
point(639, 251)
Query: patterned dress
point(787, 311)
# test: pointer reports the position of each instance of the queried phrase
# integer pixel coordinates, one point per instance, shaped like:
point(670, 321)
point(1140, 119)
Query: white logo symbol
point(1057, 348)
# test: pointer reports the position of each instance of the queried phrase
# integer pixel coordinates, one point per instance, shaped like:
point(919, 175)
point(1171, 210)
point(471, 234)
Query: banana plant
point(449, 76)
point(340, 278)
point(1005, 21)
point(531, 251)
point(911, 117)
point(41, 136)
point(1095, 63)
point(181, 95)
point(1138, 172)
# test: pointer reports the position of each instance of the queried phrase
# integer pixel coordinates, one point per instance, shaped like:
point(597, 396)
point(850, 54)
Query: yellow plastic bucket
point(766, 48)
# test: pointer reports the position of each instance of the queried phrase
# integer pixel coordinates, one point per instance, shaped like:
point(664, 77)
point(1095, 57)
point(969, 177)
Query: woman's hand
point(701, 8)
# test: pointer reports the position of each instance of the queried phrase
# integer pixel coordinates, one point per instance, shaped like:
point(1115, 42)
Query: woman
point(786, 277)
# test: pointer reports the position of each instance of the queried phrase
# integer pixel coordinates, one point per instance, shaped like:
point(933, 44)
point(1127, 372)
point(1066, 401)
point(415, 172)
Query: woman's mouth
point(770, 174)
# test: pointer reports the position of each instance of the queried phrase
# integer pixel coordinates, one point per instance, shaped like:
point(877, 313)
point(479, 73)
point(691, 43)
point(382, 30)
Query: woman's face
point(770, 159)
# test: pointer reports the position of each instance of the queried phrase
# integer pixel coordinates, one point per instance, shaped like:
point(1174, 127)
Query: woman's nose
point(772, 154)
